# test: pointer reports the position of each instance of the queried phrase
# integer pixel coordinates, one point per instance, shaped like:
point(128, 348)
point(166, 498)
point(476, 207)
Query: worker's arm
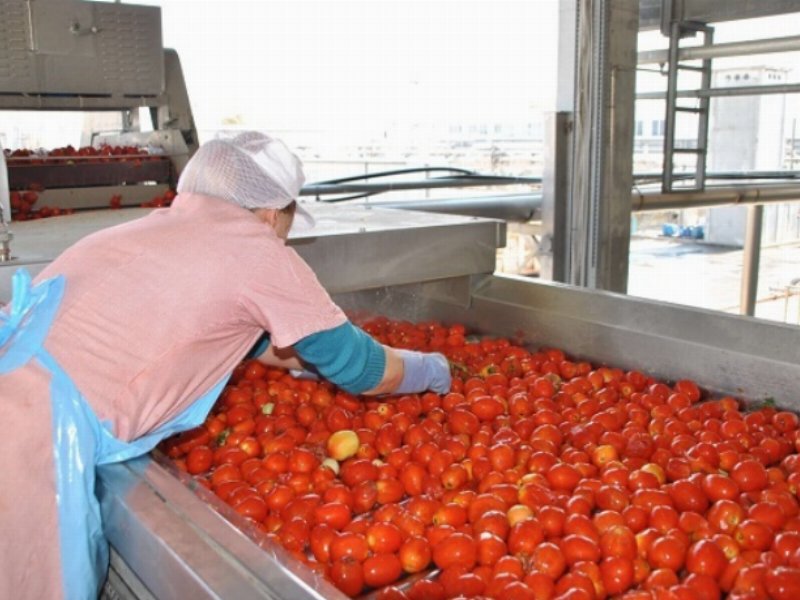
point(271, 356)
point(354, 361)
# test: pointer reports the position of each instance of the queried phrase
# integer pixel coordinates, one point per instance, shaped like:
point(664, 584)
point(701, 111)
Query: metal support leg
point(752, 255)
point(553, 248)
point(602, 156)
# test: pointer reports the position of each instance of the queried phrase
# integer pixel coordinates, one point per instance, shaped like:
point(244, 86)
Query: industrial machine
point(108, 61)
point(172, 538)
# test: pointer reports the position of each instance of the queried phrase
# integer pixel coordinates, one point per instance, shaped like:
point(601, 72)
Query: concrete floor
point(697, 274)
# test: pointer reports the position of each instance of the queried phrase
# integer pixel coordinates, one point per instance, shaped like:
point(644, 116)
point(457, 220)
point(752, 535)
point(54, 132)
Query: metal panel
point(17, 71)
point(77, 173)
point(350, 248)
point(359, 248)
point(100, 196)
point(714, 11)
point(80, 48)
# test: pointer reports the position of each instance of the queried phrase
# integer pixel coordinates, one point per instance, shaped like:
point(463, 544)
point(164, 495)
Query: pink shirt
point(158, 310)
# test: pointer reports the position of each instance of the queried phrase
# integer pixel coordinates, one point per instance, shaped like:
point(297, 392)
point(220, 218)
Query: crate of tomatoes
point(536, 477)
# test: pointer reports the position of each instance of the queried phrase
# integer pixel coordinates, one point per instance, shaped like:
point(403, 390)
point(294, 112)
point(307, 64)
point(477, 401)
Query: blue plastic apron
point(80, 440)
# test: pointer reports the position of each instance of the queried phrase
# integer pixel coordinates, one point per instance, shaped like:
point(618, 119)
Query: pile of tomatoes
point(22, 205)
point(23, 202)
point(67, 154)
point(535, 477)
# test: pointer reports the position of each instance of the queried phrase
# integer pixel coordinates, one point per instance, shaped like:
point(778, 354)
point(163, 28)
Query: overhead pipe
point(513, 207)
point(524, 207)
point(744, 48)
point(322, 189)
point(744, 90)
point(714, 196)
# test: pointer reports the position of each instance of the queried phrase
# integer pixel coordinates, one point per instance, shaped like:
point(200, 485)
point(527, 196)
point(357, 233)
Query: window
point(657, 128)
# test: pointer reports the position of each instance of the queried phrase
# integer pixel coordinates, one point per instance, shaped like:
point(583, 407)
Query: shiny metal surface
point(351, 247)
point(78, 48)
point(355, 248)
point(752, 256)
point(507, 207)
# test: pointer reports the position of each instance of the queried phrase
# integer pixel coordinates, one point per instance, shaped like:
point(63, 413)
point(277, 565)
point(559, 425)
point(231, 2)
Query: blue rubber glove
point(423, 372)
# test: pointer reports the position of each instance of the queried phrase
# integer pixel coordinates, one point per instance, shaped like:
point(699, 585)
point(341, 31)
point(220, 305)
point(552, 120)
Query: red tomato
point(253, 507)
point(349, 546)
point(415, 554)
point(455, 549)
point(578, 548)
point(753, 535)
point(334, 514)
point(618, 542)
point(617, 574)
point(667, 553)
point(321, 538)
point(750, 475)
point(524, 537)
point(688, 496)
point(381, 569)
point(384, 538)
point(547, 558)
point(199, 460)
point(348, 576)
point(786, 545)
point(706, 558)
point(426, 589)
point(783, 583)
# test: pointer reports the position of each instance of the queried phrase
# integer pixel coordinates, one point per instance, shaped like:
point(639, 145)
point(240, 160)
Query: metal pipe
point(459, 182)
point(786, 176)
point(516, 207)
point(745, 90)
point(444, 182)
point(765, 194)
point(752, 255)
point(744, 48)
point(524, 207)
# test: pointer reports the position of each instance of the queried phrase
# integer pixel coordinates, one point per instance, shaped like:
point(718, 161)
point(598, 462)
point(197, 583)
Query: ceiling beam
point(714, 11)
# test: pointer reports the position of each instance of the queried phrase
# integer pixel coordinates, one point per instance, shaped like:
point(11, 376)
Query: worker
point(131, 334)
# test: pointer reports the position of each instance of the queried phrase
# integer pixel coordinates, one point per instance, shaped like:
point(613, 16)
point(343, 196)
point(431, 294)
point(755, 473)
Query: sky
point(351, 65)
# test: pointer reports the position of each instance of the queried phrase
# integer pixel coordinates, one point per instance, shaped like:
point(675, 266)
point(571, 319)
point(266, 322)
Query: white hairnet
point(251, 170)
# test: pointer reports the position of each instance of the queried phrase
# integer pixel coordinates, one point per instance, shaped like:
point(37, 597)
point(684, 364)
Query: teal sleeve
point(261, 346)
point(345, 355)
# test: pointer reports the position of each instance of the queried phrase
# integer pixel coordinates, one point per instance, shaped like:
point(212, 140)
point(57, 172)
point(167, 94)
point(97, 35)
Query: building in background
point(747, 133)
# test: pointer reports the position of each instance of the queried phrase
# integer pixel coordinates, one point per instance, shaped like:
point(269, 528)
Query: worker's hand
point(423, 372)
